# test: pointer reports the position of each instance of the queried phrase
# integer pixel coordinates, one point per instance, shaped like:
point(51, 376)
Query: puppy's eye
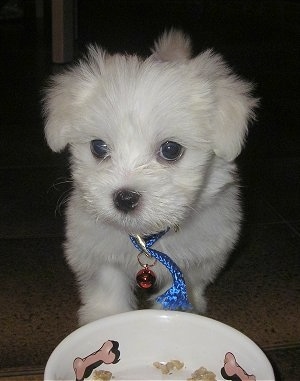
point(170, 151)
point(99, 148)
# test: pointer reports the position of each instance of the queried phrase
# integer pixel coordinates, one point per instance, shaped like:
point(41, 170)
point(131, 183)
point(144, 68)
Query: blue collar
point(175, 298)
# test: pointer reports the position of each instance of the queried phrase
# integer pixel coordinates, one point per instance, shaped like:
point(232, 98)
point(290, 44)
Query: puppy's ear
point(58, 104)
point(233, 105)
point(173, 45)
point(65, 96)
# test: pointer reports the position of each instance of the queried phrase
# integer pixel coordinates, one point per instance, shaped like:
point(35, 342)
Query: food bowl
point(127, 345)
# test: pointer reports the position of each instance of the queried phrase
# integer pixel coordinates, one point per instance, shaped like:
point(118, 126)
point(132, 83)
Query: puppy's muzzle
point(126, 200)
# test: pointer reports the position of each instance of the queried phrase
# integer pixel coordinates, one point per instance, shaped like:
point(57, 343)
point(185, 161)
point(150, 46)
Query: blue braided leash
point(175, 298)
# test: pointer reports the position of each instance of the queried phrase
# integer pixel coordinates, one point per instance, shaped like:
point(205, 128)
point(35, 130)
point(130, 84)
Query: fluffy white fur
point(135, 105)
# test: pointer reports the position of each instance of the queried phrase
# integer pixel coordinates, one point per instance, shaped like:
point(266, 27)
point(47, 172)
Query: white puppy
point(152, 145)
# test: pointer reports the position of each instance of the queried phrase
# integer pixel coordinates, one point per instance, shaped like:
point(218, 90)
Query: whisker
point(60, 181)
point(63, 199)
point(65, 193)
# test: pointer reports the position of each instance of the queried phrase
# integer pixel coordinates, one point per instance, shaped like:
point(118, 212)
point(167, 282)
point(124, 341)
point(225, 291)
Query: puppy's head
point(142, 132)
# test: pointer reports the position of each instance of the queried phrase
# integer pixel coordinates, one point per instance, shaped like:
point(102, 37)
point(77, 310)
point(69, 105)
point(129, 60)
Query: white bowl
point(148, 336)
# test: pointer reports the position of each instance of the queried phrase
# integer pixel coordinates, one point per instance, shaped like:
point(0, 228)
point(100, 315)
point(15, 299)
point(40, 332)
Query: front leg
point(198, 278)
point(108, 291)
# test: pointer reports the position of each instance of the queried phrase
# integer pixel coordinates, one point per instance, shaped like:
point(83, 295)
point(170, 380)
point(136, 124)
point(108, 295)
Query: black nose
point(126, 200)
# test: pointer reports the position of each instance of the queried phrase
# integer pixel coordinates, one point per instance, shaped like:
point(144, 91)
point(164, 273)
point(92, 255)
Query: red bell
point(145, 278)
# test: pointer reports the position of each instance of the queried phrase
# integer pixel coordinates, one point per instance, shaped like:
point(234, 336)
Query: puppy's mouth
point(135, 225)
point(136, 218)
point(132, 217)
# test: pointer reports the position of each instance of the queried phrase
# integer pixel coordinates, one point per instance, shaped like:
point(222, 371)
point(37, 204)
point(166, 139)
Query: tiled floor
point(258, 292)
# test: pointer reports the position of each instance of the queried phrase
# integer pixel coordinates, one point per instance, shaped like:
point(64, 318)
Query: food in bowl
point(101, 375)
point(168, 367)
point(202, 374)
